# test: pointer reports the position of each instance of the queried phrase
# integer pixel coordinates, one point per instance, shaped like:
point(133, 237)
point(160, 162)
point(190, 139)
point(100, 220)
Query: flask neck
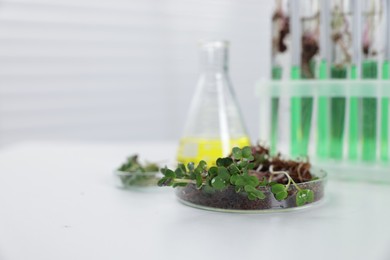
point(214, 57)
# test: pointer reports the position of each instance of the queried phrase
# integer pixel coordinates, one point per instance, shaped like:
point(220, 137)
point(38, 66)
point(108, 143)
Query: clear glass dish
point(230, 201)
point(127, 180)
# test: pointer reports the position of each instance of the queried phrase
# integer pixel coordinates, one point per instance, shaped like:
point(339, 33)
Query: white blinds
point(116, 70)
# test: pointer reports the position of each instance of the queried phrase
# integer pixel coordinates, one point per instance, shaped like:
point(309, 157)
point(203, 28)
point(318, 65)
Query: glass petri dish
point(127, 180)
point(230, 201)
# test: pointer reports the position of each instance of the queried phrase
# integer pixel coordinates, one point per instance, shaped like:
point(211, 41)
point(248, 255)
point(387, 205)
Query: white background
point(113, 70)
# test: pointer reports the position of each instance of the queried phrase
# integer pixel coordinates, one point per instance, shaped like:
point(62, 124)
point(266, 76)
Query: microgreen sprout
point(280, 191)
point(238, 171)
point(134, 173)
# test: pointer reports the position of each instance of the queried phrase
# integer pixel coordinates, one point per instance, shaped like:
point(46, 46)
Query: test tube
point(295, 28)
point(309, 52)
point(384, 144)
point(340, 62)
point(323, 101)
point(372, 18)
point(280, 60)
point(354, 129)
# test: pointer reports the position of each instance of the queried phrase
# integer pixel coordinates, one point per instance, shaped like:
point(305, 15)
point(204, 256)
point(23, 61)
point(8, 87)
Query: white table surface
point(58, 201)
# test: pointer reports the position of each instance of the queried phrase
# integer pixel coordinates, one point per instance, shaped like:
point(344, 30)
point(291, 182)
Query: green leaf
point(190, 167)
point(252, 196)
point(207, 181)
point(257, 192)
point(218, 183)
point(223, 173)
point(249, 188)
point(247, 153)
point(243, 180)
point(234, 178)
point(260, 158)
point(299, 200)
point(310, 196)
point(182, 167)
point(198, 170)
point(242, 164)
point(168, 172)
point(253, 180)
point(253, 192)
point(260, 195)
point(224, 162)
point(161, 182)
point(179, 172)
point(264, 182)
point(165, 181)
point(275, 188)
point(304, 196)
point(199, 180)
point(202, 164)
point(240, 181)
point(213, 171)
point(281, 195)
point(250, 166)
point(245, 171)
point(233, 169)
point(237, 189)
point(237, 153)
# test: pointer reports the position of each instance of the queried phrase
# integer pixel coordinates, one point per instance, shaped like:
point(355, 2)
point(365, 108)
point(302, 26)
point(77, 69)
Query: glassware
point(353, 122)
point(127, 180)
point(323, 102)
point(214, 124)
point(310, 23)
point(229, 200)
point(280, 40)
point(376, 169)
point(281, 49)
point(385, 129)
point(340, 58)
point(305, 29)
point(371, 48)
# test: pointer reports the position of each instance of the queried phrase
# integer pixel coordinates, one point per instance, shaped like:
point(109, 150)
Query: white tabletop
point(58, 201)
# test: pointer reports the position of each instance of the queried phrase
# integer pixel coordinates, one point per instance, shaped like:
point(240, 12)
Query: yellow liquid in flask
point(195, 149)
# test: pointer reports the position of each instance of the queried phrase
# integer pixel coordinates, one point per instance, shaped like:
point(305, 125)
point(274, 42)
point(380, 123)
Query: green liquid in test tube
point(341, 56)
point(301, 107)
point(323, 117)
point(384, 144)
point(337, 111)
point(384, 126)
point(277, 72)
point(301, 112)
point(353, 121)
point(296, 129)
point(373, 20)
point(323, 101)
point(276, 75)
point(306, 110)
point(369, 114)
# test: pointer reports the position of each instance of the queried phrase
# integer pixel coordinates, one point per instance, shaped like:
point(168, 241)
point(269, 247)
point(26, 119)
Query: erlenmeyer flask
point(214, 124)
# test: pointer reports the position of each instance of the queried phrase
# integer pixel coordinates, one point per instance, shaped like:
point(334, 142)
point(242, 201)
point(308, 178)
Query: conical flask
point(214, 124)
